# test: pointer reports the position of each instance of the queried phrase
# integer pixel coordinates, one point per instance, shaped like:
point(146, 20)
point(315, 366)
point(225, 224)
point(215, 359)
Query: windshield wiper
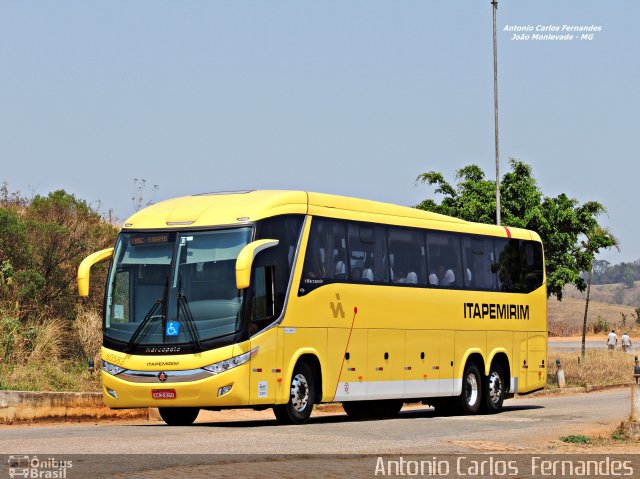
point(188, 317)
point(147, 319)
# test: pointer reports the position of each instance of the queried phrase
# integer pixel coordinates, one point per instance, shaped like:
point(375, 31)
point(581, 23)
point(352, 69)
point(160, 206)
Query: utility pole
point(494, 3)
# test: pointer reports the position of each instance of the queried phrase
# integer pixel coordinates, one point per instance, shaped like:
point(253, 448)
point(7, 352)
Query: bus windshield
point(174, 287)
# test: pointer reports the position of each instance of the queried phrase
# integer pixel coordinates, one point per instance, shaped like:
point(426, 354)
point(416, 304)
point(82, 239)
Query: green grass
point(576, 439)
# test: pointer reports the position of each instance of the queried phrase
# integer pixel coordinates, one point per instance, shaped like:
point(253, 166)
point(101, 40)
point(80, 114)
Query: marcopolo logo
point(33, 467)
point(336, 308)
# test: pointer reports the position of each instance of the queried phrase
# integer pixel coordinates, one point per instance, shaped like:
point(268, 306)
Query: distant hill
point(606, 303)
point(616, 293)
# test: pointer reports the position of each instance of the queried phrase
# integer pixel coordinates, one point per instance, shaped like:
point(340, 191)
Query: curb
point(575, 390)
point(30, 406)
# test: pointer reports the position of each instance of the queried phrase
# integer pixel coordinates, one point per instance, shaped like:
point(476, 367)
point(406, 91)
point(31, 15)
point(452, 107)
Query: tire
point(179, 416)
point(493, 391)
point(301, 398)
point(470, 399)
point(355, 409)
point(372, 409)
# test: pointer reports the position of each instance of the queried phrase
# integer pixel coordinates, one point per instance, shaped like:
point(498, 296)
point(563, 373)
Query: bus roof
point(240, 207)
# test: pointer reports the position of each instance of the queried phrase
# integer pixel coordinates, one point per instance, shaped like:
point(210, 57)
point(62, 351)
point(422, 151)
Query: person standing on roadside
point(626, 342)
point(612, 340)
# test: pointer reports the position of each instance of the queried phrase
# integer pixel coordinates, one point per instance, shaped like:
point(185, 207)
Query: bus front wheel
point(179, 416)
point(301, 397)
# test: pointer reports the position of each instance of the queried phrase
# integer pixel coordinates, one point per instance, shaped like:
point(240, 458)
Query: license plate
point(163, 394)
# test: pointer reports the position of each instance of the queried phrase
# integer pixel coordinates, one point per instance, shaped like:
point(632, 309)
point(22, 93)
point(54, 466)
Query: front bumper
point(196, 393)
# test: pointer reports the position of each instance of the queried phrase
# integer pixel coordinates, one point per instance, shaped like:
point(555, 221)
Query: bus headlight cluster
point(222, 366)
point(111, 368)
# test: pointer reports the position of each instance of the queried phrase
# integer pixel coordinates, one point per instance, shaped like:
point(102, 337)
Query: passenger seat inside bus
point(340, 270)
point(367, 275)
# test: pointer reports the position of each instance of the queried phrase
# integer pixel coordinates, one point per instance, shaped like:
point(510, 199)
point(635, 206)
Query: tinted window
point(479, 260)
point(532, 265)
point(272, 269)
point(445, 265)
point(368, 255)
point(339, 251)
point(407, 256)
point(509, 265)
point(326, 255)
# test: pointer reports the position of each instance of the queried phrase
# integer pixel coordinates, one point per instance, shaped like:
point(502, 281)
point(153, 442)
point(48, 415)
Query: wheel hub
point(299, 392)
point(495, 387)
point(472, 389)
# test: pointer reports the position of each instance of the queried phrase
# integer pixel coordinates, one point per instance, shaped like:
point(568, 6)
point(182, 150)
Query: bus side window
point(445, 263)
point(326, 256)
point(478, 257)
point(509, 265)
point(263, 304)
point(368, 253)
point(274, 264)
point(532, 265)
point(407, 256)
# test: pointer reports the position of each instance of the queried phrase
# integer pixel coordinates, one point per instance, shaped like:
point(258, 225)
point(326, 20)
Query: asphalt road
point(526, 425)
point(577, 346)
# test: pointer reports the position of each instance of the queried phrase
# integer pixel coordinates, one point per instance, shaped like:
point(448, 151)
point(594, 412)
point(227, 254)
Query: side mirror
point(85, 268)
point(245, 260)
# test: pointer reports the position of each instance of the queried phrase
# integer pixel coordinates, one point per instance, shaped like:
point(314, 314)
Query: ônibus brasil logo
point(26, 466)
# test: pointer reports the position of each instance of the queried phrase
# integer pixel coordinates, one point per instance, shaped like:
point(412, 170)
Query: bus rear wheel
point(179, 416)
point(493, 390)
point(471, 396)
point(372, 409)
point(301, 398)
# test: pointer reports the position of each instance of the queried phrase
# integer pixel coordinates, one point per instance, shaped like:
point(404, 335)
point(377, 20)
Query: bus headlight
point(111, 368)
point(222, 366)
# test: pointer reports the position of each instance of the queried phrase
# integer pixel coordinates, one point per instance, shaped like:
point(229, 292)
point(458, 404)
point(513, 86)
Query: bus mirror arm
point(85, 268)
point(245, 260)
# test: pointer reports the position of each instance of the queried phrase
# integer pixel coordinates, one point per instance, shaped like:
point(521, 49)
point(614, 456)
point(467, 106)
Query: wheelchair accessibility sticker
point(173, 328)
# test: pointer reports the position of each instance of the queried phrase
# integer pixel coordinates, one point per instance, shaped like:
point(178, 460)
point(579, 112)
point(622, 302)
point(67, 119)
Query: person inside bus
point(445, 277)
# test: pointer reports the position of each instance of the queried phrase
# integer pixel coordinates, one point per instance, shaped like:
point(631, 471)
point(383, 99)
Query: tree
point(560, 221)
point(596, 239)
point(42, 241)
point(628, 276)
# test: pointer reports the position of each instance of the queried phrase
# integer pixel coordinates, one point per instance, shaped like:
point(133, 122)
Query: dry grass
point(88, 326)
point(601, 367)
point(566, 316)
point(618, 294)
point(47, 341)
point(37, 357)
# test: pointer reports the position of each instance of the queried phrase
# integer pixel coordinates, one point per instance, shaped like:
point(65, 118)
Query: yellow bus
point(287, 299)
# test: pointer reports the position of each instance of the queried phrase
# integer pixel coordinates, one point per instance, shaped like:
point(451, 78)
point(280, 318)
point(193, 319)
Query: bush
point(47, 332)
point(600, 325)
point(576, 439)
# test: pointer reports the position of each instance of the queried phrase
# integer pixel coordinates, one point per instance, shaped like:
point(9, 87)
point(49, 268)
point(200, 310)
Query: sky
point(354, 98)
